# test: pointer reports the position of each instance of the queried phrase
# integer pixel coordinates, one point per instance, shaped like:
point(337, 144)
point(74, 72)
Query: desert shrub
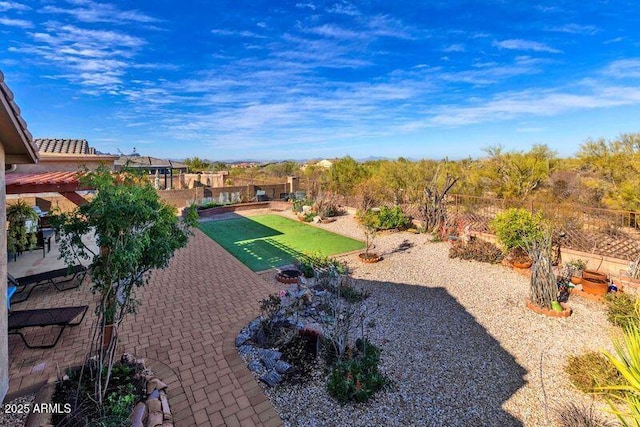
point(477, 250)
point(209, 205)
point(570, 414)
point(298, 204)
point(393, 218)
point(621, 309)
point(308, 217)
point(350, 294)
point(301, 351)
point(320, 262)
point(384, 218)
point(589, 371)
point(359, 378)
point(517, 228)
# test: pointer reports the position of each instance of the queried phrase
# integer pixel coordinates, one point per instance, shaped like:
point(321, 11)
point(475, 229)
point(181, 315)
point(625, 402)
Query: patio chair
point(261, 196)
point(74, 275)
point(44, 317)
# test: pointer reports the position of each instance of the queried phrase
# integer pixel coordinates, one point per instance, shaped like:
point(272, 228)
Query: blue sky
point(294, 80)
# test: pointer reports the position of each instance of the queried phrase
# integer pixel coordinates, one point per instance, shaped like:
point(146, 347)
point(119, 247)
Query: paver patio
point(185, 328)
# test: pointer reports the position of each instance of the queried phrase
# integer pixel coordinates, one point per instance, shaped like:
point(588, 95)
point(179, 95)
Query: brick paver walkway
point(189, 316)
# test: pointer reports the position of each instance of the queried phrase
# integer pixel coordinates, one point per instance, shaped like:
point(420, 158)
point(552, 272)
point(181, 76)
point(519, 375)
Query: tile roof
point(20, 141)
point(64, 146)
point(54, 178)
point(148, 162)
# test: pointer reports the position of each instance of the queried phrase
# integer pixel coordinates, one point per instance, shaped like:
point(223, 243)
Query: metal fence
point(606, 232)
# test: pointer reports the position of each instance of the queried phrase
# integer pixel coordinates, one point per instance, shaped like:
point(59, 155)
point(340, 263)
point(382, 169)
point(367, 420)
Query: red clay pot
point(591, 274)
point(522, 264)
point(595, 286)
point(566, 310)
point(369, 258)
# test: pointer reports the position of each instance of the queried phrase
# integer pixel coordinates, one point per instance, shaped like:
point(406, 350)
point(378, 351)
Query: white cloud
point(537, 103)
point(386, 26)
point(96, 58)
point(576, 29)
point(335, 32)
point(344, 8)
point(624, 68)
point(11, 5)
point(20, 23)
point(519, 44)
point(306, 6)
point(93, 12)
point(458, 47)
point(248, 34)
point(615, 40)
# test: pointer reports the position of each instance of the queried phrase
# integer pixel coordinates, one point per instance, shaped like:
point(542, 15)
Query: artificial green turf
point(267, 241)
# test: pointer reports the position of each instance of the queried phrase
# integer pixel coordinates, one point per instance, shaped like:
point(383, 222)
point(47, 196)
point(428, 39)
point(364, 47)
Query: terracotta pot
point(576, 280)
point(590, 274)
point(595, 286)
point(288, 276)
point(566, 310)
point(369, 258)
point(522, 264)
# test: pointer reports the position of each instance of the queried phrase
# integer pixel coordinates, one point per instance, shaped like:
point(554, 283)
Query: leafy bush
point(319, 261)
point(359, 378)
point(591, 370)
point(384, 218)
point(351, 294)
point(477, 250)
point(621, 309)
point(517, 228)
point(308, 217)
point(209, 205)
point(393, 218)
point(298, 204)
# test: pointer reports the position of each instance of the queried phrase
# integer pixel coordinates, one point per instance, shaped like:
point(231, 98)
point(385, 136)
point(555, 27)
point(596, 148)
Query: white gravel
point(457, 342)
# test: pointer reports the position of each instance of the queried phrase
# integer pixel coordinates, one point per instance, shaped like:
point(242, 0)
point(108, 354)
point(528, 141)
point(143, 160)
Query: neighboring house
point(153, 166)
point(325, 163)
point(67, 155)
point(16, 147)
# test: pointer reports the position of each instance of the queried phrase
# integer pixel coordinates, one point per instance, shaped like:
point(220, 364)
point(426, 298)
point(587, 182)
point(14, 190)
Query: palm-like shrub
point(626, 359)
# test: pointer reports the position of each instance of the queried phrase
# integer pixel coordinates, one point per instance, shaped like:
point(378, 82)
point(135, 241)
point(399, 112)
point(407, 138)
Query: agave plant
point(627, 361)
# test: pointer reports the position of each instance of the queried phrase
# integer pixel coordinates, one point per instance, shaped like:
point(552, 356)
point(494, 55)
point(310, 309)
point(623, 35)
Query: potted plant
point(519, 258)
point(594, 274)
point(22, 226)
point(575, 268)
point(516, 229)
point(370, 222)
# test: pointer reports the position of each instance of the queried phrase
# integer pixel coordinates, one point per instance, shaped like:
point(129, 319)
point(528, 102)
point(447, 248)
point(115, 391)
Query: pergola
point(65, 183)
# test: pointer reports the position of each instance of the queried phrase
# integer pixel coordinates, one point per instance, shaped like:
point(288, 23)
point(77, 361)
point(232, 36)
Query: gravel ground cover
point(13, 413)
point(458, 343)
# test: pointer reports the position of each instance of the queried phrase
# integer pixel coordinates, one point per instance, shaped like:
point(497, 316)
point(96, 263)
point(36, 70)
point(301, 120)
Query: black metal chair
point(25, 285)
point(44, 317)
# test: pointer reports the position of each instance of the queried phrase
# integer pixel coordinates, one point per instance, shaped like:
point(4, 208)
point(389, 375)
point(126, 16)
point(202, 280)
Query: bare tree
point(434, 208)
point(543, 287)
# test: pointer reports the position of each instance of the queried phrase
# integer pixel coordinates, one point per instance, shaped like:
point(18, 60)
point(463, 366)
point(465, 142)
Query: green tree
point(282, 169)
point(196, 164)
point(613, 169)
point(517, 174)
point(344, 175)
point(136, 233)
